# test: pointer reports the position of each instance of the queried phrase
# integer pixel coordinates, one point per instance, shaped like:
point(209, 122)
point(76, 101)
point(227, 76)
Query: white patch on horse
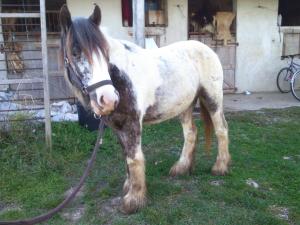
point(100, 73)
point(141, 69)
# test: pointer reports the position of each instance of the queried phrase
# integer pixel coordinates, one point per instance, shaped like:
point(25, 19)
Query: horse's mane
point(88, 37)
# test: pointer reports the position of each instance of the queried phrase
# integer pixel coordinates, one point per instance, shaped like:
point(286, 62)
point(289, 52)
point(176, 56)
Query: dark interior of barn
point(290, 12)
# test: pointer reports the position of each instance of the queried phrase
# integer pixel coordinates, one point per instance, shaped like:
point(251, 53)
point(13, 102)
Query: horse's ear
point(96, 16)
point(65, 18)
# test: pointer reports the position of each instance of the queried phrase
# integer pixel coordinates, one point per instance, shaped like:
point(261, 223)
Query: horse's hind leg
point(221, 129)
point(215, 109)
point(185, 162)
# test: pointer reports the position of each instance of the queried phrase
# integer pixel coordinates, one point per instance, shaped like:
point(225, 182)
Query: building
point(261, 31)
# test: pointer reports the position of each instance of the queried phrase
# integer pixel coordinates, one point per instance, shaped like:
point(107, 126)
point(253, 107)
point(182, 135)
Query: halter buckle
point(97, 117)
point(84, 91)
point(67, 62)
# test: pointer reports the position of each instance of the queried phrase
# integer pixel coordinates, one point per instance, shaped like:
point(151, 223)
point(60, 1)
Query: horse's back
point(192, 59)
point(192, 54)
point(185, 67)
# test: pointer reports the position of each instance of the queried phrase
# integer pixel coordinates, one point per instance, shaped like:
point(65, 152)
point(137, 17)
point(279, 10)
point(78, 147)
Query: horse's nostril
point(102, 100)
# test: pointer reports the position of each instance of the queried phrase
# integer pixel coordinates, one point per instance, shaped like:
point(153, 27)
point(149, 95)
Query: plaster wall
point(260, 46)
point(112, 19)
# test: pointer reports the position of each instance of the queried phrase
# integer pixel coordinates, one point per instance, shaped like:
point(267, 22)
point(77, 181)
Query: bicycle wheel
point(284, 80)
point(295, 85)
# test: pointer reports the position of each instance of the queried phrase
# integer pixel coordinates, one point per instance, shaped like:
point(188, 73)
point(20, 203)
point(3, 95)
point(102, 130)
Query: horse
point(130, 86)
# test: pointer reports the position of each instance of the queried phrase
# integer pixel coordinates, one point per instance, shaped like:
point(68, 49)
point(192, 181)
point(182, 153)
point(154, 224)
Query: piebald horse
point(129, 86)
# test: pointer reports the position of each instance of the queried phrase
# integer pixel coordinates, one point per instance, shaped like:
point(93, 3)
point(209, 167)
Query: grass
point(33, 180)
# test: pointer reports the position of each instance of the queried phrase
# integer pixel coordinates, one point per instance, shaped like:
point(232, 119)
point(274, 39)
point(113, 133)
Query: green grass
point(33, 180)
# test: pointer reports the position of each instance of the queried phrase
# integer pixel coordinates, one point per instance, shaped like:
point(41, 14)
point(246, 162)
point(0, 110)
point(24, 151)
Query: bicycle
point(295, 84)
point(285, 75)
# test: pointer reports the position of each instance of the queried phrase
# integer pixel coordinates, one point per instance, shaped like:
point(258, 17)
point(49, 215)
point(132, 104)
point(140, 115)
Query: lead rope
point(52, 212)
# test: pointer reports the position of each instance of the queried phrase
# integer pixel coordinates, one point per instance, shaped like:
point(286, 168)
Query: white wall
point(111, 14)
point(112, 19)
point(258, 54)
point(259, 50)
point(177, 21)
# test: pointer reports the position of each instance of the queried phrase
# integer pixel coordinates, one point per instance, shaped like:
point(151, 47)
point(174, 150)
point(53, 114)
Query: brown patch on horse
point(207, 100)
point(125, 120)
point(151, 114)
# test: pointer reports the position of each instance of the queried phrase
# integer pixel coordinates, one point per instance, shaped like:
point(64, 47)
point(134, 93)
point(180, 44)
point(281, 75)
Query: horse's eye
point(76, 52)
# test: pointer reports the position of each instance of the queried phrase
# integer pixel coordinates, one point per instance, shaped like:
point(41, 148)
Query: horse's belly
point(167, 109)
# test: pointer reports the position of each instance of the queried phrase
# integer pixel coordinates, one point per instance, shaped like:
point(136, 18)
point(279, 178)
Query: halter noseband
point(74, 77)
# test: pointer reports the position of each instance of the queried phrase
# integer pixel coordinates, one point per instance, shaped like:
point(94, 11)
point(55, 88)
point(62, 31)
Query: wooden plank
point(227, 55)
point(3, 65)
point(21, 81)
point(291, 44)
point(48, 132)
point(19, 15)
point(138, 17)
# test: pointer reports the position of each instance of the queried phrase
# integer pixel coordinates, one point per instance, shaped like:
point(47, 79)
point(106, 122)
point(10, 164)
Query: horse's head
point(85, 52)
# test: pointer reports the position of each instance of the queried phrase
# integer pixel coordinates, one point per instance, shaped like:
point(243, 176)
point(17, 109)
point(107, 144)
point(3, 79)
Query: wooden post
point(138, 17)
point(48, 132)
point(3, 68)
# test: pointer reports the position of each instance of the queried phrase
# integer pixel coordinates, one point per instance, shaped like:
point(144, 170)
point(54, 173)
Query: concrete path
point(256, 101)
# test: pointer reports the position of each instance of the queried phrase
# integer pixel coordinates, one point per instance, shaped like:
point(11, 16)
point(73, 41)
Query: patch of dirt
point(111, 206)
point(77, 211)
point(74, 214)
point(7, 208)
point(217, 182)
point(280, 212)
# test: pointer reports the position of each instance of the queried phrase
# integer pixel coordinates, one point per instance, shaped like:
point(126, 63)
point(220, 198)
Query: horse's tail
point(208, 127)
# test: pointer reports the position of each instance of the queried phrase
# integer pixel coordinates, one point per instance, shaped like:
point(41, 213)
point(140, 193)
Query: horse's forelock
point(88, 37)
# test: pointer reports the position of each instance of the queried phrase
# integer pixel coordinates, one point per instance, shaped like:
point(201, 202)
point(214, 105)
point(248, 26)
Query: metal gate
point(19, 57)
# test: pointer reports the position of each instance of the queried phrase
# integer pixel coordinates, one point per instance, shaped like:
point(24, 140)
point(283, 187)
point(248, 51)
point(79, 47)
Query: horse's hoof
point(131, 204)
point(221, 167)
point(219, 170)
point(180, 169)
point(219, 173)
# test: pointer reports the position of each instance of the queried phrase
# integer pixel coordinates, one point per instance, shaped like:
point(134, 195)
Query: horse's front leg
point(135, 185)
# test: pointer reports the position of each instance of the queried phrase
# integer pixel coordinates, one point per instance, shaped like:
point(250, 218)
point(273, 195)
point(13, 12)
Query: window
point(20, 37)
point(155, 13)
point(31, 24)
point(289, 11)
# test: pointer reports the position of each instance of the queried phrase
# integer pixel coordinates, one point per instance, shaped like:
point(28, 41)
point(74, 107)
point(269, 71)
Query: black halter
point(74, 77)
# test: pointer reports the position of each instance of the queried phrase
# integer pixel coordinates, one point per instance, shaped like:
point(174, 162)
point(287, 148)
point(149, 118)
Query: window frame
point(162, 5)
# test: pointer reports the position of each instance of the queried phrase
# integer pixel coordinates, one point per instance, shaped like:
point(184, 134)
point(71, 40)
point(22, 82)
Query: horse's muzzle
point(106, 104)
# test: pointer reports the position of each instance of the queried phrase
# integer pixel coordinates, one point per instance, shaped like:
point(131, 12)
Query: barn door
point(227, 55)
point(213, 23)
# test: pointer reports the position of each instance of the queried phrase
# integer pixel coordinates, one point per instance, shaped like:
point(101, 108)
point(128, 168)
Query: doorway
point(214, 24)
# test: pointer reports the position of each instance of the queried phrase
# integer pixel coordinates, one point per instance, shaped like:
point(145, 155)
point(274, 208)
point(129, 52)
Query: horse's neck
point(118, 55)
